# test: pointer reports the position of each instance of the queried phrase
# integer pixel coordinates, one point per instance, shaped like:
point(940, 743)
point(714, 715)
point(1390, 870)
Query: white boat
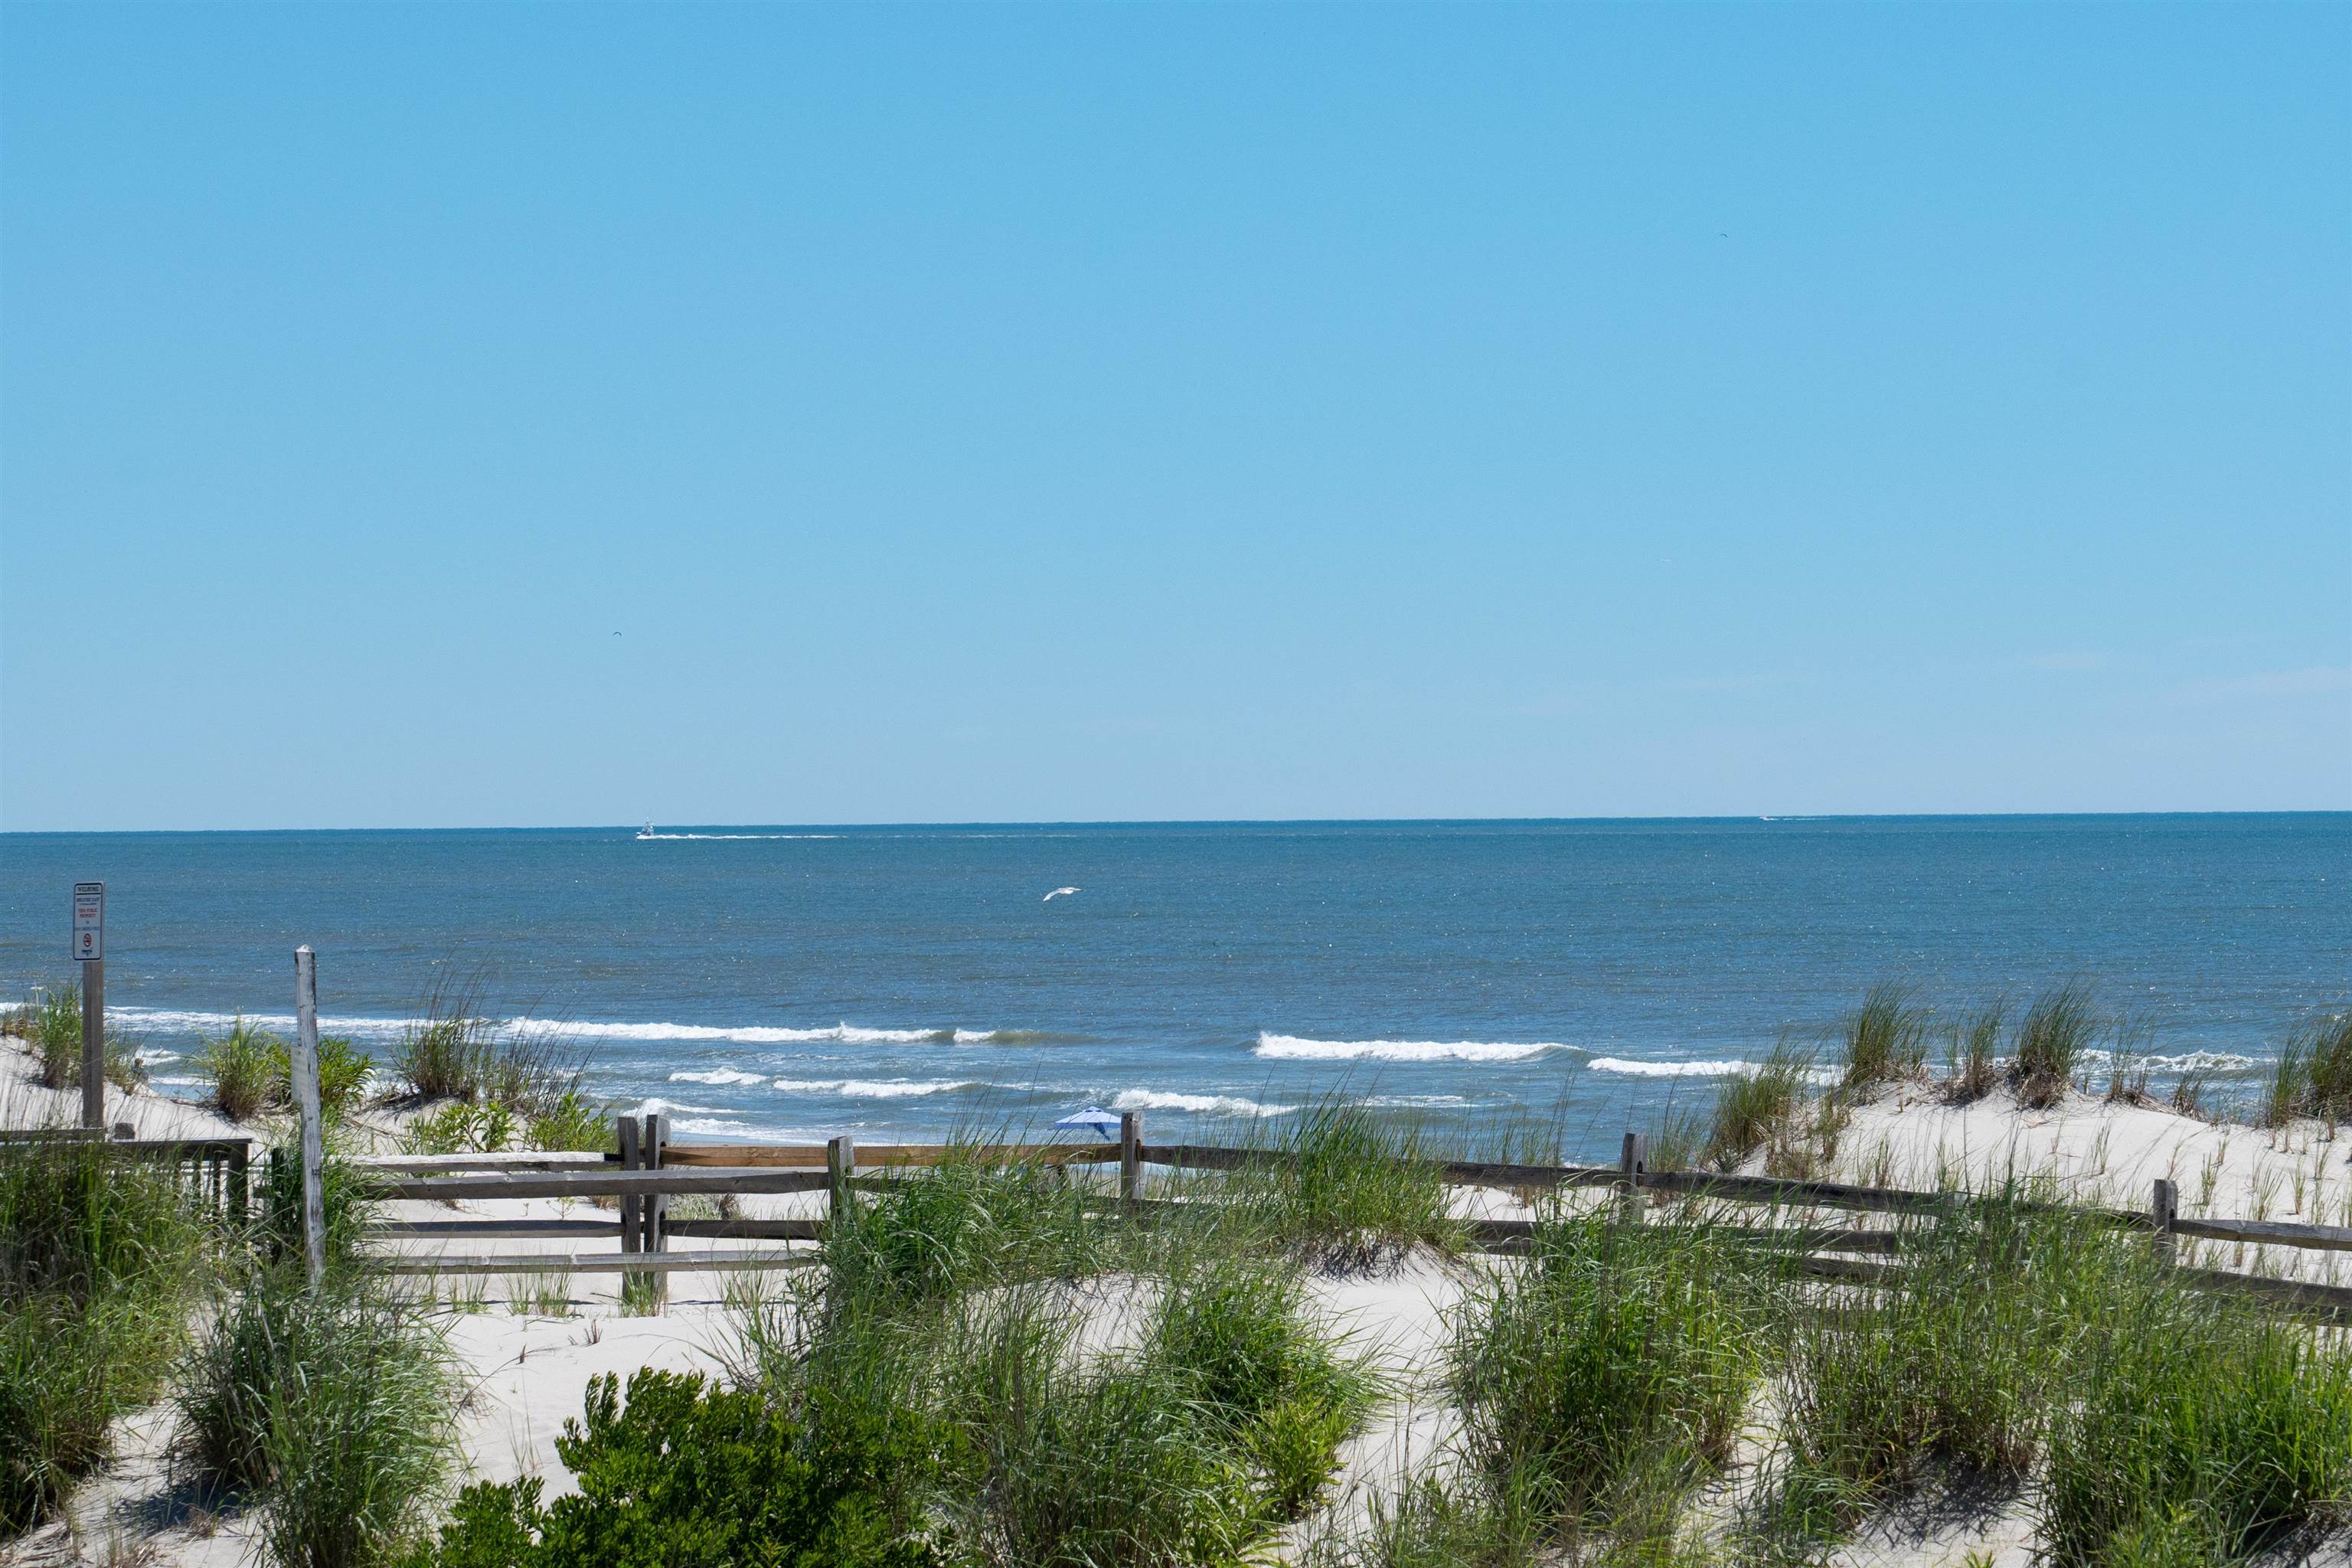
point(648, 831)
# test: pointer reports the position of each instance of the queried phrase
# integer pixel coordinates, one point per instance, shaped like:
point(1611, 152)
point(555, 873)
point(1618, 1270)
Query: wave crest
point(1198, 1104)
point(1295, 1047)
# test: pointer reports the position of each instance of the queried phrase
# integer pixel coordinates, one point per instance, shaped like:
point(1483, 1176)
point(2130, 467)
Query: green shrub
point(347, 1201)
point(452, 1049)
point(573, 1121)
point(462, 1126)
point(685, 1476)
point(2195, 1426)
point(1619, 1358)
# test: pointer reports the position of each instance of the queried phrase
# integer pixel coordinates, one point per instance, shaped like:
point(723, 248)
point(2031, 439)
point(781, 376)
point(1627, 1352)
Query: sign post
point(89, 947)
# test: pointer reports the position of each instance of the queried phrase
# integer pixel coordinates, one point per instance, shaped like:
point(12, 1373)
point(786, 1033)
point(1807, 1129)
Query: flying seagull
point(1056, 893)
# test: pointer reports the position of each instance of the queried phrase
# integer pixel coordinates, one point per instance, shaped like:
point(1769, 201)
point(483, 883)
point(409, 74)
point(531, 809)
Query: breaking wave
point(1198, 1104)
point(1293, 1047)
point(874, 1089)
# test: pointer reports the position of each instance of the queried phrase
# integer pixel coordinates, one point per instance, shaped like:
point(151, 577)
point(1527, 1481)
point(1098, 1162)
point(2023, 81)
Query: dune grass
point(1956, 1367)
point(100, 1256)
point(1754, 1108)
point(1348, 1189)
point(50, 1023)
point(332, 1407)
point(2199, 1426)
point(2313, 1075)
point(1974, 1054)
point(1885, 1038)
point(1607, 1374)
point(2053, 1037)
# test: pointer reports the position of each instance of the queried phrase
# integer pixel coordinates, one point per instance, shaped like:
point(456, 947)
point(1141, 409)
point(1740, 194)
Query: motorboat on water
point(648, 831)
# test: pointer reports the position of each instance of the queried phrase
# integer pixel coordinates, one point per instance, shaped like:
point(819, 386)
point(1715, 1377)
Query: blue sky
point(1159, 412)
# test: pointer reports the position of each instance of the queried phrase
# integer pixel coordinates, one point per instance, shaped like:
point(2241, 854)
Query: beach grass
point(1885, 1038)
point(2053, 1037)
point(331, 1407)
point(1609, 1371)
point(2313, 1074)
point(1956, 1367)
point(100, 1256)
point(1755, 1109)
point(1345, 1187)
point(50, 1023)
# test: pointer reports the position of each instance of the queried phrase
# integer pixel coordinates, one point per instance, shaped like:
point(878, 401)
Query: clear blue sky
point(1154, 412)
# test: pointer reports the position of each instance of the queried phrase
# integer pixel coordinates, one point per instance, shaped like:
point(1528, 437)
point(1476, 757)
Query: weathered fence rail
point(644, 1173)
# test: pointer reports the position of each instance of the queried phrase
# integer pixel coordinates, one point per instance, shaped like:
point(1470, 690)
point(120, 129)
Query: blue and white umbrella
point(1094, 1119)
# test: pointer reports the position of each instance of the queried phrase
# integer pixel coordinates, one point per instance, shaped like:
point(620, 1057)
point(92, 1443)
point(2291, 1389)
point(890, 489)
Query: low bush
point(462, 1126)
point(963, 1223)
point(571, 1122)
point(332, 1404)
point(452, 1049)
point(687, 1476)
point(1615, 1362)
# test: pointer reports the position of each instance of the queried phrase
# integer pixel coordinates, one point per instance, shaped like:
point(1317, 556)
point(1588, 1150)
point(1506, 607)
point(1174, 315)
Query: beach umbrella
point(1094, 1119)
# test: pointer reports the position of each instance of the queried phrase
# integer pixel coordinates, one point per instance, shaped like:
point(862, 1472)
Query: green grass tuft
point(1886, 1037)
point(2051, 1041)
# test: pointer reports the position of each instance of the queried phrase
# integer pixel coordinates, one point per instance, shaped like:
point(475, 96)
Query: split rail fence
point(643, 1173)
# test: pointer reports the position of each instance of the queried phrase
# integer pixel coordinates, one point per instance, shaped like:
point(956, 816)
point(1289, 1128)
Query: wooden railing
point(643, 1173)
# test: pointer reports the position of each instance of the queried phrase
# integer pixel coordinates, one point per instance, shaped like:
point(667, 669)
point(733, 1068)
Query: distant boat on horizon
point(648, 832)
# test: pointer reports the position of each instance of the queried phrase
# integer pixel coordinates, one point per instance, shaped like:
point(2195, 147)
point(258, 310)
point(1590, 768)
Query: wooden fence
point(643, 1173)
point(219, 1170)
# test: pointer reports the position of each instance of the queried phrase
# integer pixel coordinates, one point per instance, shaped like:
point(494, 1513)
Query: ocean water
point(794, 983)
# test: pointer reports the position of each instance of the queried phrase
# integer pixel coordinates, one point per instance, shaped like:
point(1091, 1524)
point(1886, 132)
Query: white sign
point(89, 919)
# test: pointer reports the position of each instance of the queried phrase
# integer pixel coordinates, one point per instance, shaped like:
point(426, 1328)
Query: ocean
point(794, 983)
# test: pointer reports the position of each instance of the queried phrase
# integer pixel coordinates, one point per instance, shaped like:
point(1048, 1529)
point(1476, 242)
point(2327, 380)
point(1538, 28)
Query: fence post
point(633, 1226)
point(840, 1164)
point(1631, 1164)
point(657, 1205)
point(1130, 1155)
point(305, 1101)
point(2164, 1208)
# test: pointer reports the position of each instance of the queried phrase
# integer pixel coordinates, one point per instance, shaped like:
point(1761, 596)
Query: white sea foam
point(873, 1089)
point(179, 1082)
point(719, 1077)
point(659, 1107)
point(1413, 1101)
point(1199, 1104)
point(711, 1125)
point(1291, 1048)
point(2189, 1061)
point(1619, 1065)
point(187, 1021)
point(150, 1059)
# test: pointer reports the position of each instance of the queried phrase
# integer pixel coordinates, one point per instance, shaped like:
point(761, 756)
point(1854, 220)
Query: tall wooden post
point(1130, 1155)
point(306, 1105)
point(1632, 1161)
point(93, 1042)
point(2164, 1209)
